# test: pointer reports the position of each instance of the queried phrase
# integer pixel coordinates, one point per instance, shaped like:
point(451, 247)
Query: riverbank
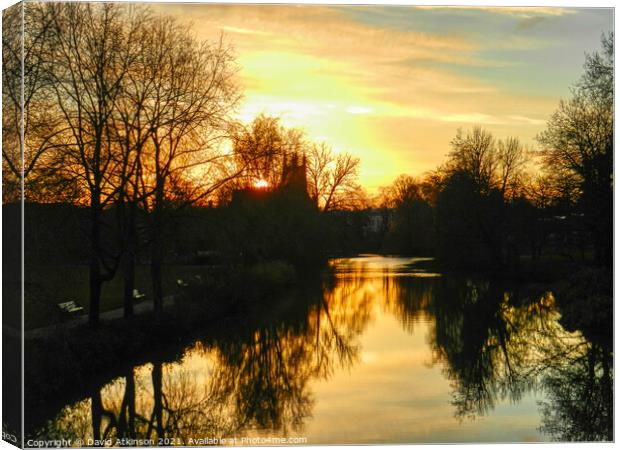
point(73, 360)
point(548, 269)
point(583, 292)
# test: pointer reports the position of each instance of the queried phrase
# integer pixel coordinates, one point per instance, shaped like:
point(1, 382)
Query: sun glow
point(391, 85)
point(261, 184)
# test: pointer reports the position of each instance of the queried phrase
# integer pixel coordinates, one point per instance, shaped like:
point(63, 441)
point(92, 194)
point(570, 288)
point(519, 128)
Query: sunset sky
point(391, 84)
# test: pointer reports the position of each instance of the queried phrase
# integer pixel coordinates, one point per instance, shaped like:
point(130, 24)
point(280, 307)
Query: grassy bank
point(46, 286)
point(67, 365)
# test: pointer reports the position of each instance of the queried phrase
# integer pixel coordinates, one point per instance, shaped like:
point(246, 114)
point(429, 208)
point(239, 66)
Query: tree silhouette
point(332, 179)
point(42, 124)
point(261, 148)
point(578, 142)
point(580, 403)
point(490, 163)
point(91, 49)
point(411, 229)
point(257, 375)
point(192, 93)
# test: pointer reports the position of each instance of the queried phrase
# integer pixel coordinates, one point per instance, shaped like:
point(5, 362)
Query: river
point(383, 351)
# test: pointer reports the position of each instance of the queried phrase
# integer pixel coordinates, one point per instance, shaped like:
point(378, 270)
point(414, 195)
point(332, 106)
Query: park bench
point(137, 295)
point(70, 307)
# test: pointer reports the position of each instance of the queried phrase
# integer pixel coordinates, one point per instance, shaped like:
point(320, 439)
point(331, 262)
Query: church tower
point(294, 174)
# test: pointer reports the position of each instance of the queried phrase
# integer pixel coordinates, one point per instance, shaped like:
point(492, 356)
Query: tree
point(193, 93)
point(261, 148)
point(403, 189)
point(132, 124)
point(510, 166)
point(474, 153)
point(578, 141)
point(491, 163)
point(264, 148)
point(598, 78)
point(28, 139)
point(11, 102)
point(411, 228)
point(91, 47)
point(479, 184)
point(332, 179)
point(458, 215)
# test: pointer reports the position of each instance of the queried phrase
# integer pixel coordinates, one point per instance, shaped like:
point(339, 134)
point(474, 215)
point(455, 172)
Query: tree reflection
point(408, 298)
point(473, 333)
point(265, 378)
point(494, 341)
point(255, 377)
point(264, 374)
point(498, 343)
point(579, 406)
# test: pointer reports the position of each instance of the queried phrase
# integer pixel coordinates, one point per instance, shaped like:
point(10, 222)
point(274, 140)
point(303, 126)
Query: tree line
point(494, 199)
point(131, 117)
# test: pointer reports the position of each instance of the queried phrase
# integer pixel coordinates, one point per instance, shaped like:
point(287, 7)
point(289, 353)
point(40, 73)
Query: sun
point(261, 184)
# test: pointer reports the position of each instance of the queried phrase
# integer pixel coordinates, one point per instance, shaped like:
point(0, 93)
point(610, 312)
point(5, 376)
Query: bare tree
point(332, 179)
point(490, 163)
point(91, 49)
point(12, 39)
point(132, 128)
point(259, 147)
point(29, 138)
point(579, 141)
point(403, 189)
point(474, 153)
point(262, 147)
point(511, 159)
point(193, 93)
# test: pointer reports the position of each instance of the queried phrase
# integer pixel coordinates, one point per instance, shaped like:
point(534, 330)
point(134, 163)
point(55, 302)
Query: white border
point(566, 3)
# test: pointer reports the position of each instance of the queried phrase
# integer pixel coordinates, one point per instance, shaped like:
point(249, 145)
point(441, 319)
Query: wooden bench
point(137, 295)
point(70, 307)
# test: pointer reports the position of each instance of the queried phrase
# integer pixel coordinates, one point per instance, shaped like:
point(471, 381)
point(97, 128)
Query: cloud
point(528, 11)
point(359, 110)
point(509, 10)
point(388, 85)
point(531, 22)
point(319, 30)
point(242, 30)
point(528, 120)
point(472, 118)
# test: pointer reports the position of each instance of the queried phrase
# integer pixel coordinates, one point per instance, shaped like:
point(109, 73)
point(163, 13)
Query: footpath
point(143, 307)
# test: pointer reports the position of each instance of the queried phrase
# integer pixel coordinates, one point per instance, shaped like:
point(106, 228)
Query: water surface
point(382, 352)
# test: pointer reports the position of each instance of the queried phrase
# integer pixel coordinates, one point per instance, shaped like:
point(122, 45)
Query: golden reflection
point(498, 343)
point(492, 341)
point(231, 385)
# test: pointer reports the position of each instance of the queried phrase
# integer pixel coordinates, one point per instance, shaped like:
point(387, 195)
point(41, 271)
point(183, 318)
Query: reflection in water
point(249, 380)
point(487, 336)
point(499, 343)
point(493, 342)
point(580, 395)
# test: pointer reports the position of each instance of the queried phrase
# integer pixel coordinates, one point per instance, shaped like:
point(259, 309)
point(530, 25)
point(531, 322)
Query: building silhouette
point(293, 177)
